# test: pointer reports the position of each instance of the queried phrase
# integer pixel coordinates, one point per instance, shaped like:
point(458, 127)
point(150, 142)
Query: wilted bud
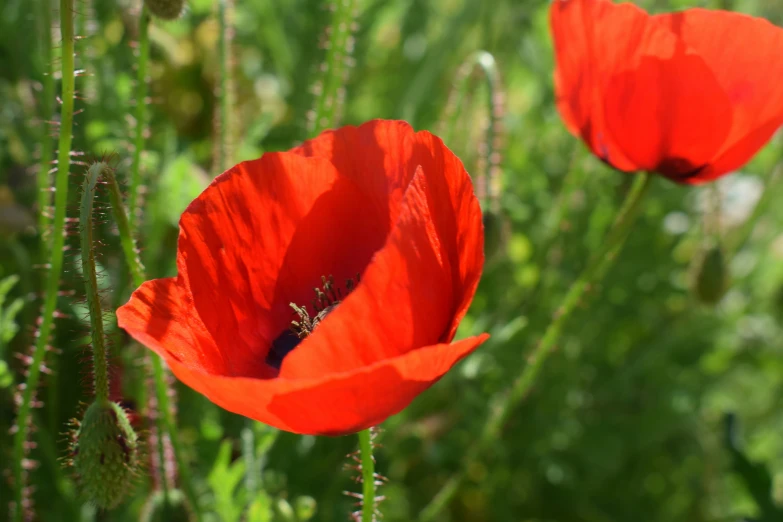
point(712, 276)
point(166, 9)
point(105, 454)
point(156, 509)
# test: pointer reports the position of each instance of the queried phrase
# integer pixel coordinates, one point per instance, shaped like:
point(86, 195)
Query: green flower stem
point(56, 258)
point(166, 422)
point(330, 87)
point(226, 85)
point(100, 365)
point(368, 475)
point(504, 406)
point(249, 454)
point(140, 116)
point(484, 62)
point(741, 237)
point(47, 111)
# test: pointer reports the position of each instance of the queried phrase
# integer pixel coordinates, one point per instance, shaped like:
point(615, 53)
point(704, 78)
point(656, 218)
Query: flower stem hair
point(56, 257)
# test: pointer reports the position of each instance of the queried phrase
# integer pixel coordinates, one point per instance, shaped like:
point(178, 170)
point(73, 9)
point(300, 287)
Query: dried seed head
point(105, 454)
point(166, 9)
point(156, 509)
point(712, 279)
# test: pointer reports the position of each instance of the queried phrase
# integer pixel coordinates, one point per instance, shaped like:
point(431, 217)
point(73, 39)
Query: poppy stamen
point(327, 297)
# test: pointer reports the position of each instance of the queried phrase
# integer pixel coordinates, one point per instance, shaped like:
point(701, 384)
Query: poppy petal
point(405, 299)
point(261, 236)
point(159, 316)
point(381, 157)
point(593, 40)
point(749, 73)
point(335, 404)
point(668, 115)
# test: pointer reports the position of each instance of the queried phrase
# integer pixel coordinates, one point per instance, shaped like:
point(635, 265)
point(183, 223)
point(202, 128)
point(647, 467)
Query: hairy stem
point(488, 182)
point(100, 365)
point(226, 87)
point(166, 423)
point(140, 116)
point(47, 112)
point(504, 406)
point(58, 244)
point(329, 90)
point(744, 233)
point(368, 475)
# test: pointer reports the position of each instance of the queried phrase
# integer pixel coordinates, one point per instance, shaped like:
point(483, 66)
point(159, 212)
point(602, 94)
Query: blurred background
point(656, 407)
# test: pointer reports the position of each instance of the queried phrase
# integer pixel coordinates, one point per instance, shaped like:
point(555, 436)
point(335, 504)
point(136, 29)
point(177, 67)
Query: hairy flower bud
point(166, 9)
point(105, 454)
point(712, 280)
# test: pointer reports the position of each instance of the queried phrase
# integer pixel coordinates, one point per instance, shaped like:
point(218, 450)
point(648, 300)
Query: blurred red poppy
point(691, 95)
point(382, 221)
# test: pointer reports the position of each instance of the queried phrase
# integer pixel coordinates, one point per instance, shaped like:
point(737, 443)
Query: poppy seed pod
point(105, 454)
point(711, 277)
point(166, 9)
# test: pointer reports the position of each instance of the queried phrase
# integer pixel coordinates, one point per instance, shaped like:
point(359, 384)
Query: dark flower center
point(327, 297)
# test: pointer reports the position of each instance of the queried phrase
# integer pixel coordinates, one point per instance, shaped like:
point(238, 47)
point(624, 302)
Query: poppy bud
point(712, 279)
point(166, 9)
point(156, 509)
point(495, 233)
point(105, 453)
point(777, 306)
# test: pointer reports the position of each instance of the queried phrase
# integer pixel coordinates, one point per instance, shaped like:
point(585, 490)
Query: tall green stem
point(56, 257)
point(140, 116)
point(100, 365)
point(503, 407)
point(226, 87)
point(744, 233)
point(488, 182)
point(47, 112)
point(330, 87)
point(166, 422)
point(368, 475)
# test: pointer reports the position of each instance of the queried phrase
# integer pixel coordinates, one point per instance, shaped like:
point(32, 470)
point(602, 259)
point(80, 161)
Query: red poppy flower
point(691, 95)
point(382, 221)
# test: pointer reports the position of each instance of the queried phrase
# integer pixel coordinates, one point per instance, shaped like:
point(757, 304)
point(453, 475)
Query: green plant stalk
point(166, 423)
point(485, 62)
point(58, 244)
point(226, 102)
point(368, 475)
point(328, 101)
point(47, 111)
point(140, 116)
point(741, 237)
point(249, 454)
point(100, 365)
point(160, 390)
point(504, 406)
